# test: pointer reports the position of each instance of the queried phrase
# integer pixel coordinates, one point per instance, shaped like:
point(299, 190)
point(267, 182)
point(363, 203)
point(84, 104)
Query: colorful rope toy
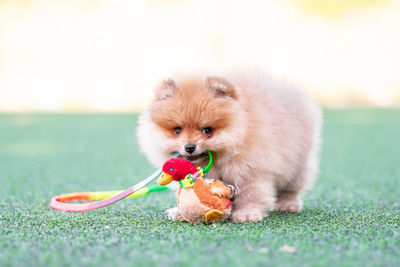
point(104, 198)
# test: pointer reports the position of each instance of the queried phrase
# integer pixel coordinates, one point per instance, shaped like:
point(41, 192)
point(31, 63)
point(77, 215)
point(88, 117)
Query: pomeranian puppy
point(263, 133)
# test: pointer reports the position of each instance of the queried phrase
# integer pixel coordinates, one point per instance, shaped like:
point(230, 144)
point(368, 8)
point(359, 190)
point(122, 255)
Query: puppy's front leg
point(174, 214)
point(253, 201)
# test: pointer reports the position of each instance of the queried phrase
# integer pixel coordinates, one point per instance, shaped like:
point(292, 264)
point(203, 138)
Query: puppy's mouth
point(195, 157)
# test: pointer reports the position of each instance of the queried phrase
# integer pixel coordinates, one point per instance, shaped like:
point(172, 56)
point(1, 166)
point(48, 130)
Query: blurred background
point(106, 55)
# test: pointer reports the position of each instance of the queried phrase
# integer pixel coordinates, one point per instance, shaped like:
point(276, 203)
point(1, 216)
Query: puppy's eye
point(177, 130)
point(207, 131)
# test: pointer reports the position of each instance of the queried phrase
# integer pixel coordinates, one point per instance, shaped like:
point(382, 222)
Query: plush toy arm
point(218, 188)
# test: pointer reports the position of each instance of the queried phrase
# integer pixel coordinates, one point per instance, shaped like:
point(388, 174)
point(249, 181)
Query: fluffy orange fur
point(265, 135)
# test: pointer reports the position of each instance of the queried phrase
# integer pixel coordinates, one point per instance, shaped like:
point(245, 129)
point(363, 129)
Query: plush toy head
point(176, 169)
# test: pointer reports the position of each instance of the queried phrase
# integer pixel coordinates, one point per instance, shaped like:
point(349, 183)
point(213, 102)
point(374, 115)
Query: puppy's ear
point(220, 87)
point(166, 89)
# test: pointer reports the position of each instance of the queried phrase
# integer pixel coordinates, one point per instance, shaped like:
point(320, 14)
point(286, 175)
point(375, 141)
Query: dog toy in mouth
point(199, 199)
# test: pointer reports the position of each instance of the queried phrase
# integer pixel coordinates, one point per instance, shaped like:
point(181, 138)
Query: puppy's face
point(195, 115)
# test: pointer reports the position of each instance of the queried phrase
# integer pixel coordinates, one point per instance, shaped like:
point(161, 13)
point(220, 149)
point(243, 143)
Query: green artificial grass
point(351, 218)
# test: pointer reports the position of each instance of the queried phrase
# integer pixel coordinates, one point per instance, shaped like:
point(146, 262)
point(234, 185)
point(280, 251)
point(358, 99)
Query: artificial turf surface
point(351, 218)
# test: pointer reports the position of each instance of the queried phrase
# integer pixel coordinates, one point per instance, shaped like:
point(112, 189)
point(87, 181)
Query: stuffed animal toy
point(199, 199)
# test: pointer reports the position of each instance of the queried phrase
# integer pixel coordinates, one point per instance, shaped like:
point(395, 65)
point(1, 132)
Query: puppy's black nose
point(190, 148)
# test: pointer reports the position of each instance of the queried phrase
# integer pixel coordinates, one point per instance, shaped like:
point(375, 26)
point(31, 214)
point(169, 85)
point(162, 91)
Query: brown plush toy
point(199, 199)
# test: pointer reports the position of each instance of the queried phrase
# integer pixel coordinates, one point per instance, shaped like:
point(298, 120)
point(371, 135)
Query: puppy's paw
point(248, 215)
point(288, 206)
point(174, 214)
